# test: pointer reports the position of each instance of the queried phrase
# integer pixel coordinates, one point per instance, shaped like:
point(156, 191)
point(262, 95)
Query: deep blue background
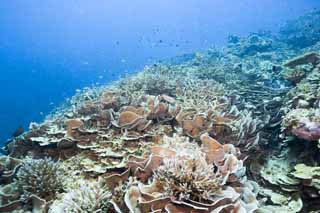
point(50, 48)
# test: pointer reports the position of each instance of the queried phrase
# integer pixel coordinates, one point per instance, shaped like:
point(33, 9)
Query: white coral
point(86, 198)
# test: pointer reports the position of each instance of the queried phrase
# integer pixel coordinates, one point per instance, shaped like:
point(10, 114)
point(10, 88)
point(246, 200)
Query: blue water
point(48, 49)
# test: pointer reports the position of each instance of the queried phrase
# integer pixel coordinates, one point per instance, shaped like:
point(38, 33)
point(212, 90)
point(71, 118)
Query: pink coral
point(310, 132)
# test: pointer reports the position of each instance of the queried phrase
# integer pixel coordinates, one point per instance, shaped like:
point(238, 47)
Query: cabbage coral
point(42, 177)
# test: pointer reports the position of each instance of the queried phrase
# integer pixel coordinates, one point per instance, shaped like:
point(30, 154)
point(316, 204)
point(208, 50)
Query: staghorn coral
point(42, 177)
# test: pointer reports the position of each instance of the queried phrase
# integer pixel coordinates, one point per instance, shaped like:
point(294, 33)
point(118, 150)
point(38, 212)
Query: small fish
point(19, 131)
point(220, 130)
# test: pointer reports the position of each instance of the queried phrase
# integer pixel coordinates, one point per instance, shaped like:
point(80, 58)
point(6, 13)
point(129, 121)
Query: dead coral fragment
point(42, 177)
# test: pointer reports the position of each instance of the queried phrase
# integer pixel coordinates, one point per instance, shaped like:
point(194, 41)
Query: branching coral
point(42, 177)
point(201, 95)
point(190, 179)
point(86, 197)
point(151, 82)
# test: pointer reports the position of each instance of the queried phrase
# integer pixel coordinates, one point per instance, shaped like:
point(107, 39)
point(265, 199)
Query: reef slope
point(234, 129)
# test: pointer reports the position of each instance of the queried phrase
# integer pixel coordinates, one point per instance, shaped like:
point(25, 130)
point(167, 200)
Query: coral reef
point(232, 129)
point(253, 44)
point(302, 32)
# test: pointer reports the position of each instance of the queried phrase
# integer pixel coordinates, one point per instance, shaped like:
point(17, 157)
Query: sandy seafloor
point(234, 129)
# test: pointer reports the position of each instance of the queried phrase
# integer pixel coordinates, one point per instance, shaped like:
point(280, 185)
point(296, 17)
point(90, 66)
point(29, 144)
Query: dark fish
point(220, 130)
point(19, 131)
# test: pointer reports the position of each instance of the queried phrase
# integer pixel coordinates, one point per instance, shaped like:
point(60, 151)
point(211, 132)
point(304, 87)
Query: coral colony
point(235, 129)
